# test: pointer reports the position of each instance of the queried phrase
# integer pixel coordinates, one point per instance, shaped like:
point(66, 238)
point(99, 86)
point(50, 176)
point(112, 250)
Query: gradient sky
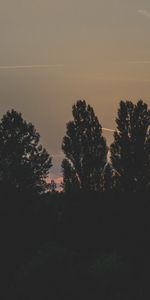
point(55, 52)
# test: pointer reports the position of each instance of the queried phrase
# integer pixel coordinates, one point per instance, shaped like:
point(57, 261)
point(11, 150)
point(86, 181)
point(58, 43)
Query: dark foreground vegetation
point(75, 246)
point(92, 240)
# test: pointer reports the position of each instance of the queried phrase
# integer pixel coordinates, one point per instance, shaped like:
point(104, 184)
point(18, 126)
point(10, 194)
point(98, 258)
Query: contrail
point(139, 62)
point(108, 129)
point(29, 67)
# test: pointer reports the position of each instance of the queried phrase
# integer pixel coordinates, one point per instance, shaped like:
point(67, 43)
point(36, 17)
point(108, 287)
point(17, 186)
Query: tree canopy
point(24, 163)
point(131, 147)
point(85, 149)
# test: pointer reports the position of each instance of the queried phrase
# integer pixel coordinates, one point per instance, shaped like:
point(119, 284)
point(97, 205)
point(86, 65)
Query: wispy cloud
point(145, 13)
point(139, 62)
point(108, 129)
point(16, 67)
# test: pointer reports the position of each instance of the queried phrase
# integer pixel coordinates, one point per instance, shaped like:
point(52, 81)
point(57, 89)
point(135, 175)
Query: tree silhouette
point(24, 163)
point(70, 179)
point(108, 178)
point(131, 147)
point(85, 149)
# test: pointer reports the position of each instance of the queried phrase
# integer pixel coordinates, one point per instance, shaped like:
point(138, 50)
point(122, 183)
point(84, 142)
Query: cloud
point(16, 67)
point(145, 13)
point(139, 62)
point(108, 129)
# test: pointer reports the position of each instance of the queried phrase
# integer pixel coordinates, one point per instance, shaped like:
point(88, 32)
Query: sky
point(54, 52)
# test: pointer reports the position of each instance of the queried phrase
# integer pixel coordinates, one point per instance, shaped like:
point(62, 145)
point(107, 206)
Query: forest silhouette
point(92, 238)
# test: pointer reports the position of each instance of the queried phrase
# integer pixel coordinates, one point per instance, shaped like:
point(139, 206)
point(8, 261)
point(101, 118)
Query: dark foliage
point(24, 163)
point(108, 178)
point(77, 245)
point(85, 149)
point(131, 147)
point(70, 179)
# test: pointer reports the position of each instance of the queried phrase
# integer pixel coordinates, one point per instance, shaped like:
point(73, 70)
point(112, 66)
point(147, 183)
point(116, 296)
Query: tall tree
point(24, 163)
point(108, 178)
point(85, 148)
point(70, 179)
point(130, 151)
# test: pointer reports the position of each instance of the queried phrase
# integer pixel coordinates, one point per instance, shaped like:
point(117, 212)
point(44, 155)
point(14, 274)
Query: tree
point(130, 151)
point(70, 179)
point(85, 149)
point(108, 178)
point(24, 163)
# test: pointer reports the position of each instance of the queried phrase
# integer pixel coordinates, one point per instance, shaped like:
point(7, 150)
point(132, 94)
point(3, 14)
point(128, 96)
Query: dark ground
point(79, 246)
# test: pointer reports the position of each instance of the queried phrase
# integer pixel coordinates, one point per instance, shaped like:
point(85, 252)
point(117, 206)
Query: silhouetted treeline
point(92, 239)
point(87, 166)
